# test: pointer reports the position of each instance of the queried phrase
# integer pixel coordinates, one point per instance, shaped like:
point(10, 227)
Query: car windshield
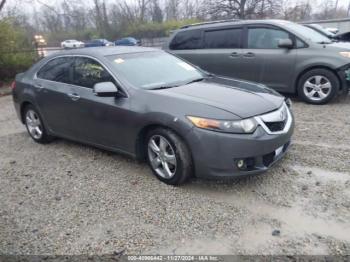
point(309, 33)
point(154, 70)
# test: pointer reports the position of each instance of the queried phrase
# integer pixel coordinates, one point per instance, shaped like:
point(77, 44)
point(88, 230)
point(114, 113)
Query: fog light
point(241, 164)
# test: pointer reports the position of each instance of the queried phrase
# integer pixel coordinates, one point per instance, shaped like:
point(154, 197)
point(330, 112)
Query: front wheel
point(318, 86)
point(168, 156)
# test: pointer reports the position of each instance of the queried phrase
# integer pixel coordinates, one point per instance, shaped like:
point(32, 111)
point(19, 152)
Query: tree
point(156, 12)
point(2, 3)
point(241, 9)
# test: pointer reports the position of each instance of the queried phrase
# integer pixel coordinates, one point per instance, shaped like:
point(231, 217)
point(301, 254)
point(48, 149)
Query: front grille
point(275, 126)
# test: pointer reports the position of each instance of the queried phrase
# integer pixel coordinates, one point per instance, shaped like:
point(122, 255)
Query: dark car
point(285, 56)
point(98, 42)
point(151, 105)
point(127, 41)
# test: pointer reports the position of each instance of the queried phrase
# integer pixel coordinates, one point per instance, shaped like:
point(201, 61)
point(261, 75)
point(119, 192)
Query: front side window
point(226, 38)
point(58, 70)
point(190, 39)
point(152, 70)
point(265, 38)
point(88, 72)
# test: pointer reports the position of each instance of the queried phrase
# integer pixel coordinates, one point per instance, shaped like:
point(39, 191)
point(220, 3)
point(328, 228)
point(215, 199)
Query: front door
point(264, 62)
point(102, 121)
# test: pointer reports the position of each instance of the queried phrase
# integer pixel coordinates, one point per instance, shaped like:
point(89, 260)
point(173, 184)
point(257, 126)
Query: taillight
point(13, 85)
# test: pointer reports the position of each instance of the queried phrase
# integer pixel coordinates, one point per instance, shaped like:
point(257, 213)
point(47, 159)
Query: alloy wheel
point(317, 88)
point(162, 156)
point(33, 124)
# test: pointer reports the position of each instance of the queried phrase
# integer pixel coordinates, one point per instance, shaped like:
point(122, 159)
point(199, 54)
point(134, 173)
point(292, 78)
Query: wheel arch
point(305, 70)
point(142, 135)
point(23, 106)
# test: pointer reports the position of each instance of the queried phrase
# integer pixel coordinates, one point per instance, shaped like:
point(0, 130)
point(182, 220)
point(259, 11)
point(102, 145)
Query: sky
point(29, 4)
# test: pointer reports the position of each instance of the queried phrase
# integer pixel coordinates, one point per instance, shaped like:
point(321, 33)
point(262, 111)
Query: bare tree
point(156, 12)
point(172, 9)
point(2, 3)
point(241, 9)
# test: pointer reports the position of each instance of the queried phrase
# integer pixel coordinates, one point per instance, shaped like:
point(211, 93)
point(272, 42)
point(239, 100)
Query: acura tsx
point(151, 105)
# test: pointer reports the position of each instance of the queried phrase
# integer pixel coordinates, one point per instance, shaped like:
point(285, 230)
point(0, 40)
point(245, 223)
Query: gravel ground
point(67, 198)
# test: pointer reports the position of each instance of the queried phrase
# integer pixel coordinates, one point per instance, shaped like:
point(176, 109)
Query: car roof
point(215, 24)
point(106, 50)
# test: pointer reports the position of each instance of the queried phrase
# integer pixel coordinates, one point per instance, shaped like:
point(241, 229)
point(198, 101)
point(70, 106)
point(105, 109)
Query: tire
point(175, 155)
point(34, 124)
point(318, 86)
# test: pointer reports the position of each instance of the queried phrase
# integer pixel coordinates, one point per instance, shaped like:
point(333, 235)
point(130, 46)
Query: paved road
point(67, 198)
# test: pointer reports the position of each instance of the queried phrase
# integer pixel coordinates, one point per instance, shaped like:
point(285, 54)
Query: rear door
point(263, 61)
point(52, 85)
point(218, 51)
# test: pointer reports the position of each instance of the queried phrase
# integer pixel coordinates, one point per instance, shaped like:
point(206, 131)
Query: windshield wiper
point(324, 43)
point(163, 87)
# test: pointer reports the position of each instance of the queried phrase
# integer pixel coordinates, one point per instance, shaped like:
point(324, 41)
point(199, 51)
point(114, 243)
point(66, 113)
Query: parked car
point(339, 37)
point(151, 105)
point(285, 56)
point(98, 42)
point(72, 44)
point(321, 30)
point(127, 41)
point(333, 30)
point(342, 37)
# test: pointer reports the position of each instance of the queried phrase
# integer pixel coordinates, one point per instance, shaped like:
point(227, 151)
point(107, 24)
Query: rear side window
point(190, 39)
point(58, 70)
point(225, 38)
point(88, 72)
point(265, 38)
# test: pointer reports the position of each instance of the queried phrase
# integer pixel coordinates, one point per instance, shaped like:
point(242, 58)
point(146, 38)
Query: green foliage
point(150, 29)
point(16, 53)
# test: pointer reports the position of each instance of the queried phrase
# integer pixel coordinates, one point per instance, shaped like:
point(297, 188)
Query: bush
point(152, 30)
point(16, 54)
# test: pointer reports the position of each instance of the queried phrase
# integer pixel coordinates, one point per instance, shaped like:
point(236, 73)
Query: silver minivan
point(285, 56)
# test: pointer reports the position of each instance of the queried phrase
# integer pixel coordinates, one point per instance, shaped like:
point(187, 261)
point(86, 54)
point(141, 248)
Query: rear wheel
point(168, 156)
point(318, 86)
point(35, 125)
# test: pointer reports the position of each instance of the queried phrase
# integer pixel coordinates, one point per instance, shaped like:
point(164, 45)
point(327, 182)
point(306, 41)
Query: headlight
point(345, 54)
point(244, 126)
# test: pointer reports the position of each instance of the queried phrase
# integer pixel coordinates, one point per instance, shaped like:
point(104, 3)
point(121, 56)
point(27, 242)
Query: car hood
point(339, 45)
point(243, 99)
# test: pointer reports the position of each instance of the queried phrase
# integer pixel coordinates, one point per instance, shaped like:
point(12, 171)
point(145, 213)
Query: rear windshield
point(151, 70)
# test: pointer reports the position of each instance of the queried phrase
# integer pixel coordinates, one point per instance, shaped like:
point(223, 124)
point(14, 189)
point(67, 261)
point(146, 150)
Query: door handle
point(74, 96)
point(249, 54)
point(38, 86)
point(234, 55)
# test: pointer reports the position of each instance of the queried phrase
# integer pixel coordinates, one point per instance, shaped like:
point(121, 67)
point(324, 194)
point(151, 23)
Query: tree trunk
point(2, 3)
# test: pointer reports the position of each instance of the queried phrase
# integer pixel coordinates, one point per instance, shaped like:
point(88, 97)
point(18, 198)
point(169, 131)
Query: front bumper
point(344, 76)
point(216, 154)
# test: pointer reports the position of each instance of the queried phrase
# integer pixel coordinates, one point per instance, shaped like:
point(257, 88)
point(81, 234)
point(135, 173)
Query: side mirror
point(285, 43)
point(106, 89)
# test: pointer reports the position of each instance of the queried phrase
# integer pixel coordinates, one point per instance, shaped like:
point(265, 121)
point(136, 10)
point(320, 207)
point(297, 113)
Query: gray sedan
point(151, 105)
